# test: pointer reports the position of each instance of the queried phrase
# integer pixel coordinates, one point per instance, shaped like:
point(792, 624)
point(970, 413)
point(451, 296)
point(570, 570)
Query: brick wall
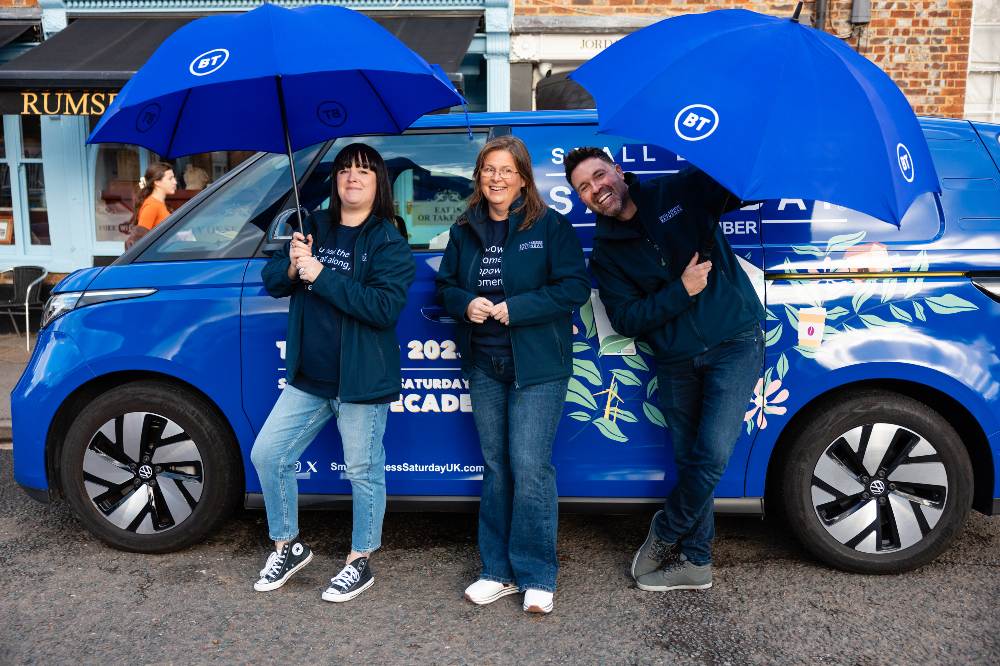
point(922, 44)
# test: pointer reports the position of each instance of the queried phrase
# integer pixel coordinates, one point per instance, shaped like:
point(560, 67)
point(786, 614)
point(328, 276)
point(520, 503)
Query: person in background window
point(151, 200)
point(195, 178)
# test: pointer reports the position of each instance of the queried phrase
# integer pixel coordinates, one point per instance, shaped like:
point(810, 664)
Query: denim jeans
point(704, 401)
point(519, 508)
point(291, 426)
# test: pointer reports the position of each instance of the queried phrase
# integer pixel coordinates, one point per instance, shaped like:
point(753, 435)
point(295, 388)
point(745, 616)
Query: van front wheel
point(149, 467)
point(877, 483)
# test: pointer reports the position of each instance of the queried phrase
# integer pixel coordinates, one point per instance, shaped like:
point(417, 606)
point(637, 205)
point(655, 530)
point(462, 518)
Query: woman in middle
point(512, 274)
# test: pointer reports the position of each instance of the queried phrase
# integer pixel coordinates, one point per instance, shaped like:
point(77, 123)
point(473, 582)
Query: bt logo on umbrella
point(209, 62)
point(331, 113)
point(905, 162)
point(147, 117)
point(696, 122)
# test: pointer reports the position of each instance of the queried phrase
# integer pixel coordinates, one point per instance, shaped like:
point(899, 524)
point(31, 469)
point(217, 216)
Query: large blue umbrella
point(768, 107)
point(276, 80)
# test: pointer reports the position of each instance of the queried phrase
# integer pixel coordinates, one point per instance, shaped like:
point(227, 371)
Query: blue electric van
point(874, 428)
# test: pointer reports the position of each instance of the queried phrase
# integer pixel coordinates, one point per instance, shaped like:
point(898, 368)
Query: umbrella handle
point(795, 15)
point(288, 149)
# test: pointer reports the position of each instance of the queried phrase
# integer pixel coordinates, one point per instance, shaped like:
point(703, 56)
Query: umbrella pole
point(288, 149)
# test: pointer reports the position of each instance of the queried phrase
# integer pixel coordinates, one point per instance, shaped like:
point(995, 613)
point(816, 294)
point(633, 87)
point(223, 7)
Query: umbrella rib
point(399, 130)
point(177, 122)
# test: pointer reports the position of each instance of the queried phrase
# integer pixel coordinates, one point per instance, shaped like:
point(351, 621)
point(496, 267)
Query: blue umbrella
point(276, 80)
point(768, 107)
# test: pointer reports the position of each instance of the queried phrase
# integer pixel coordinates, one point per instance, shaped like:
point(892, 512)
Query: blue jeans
point(295, 420)
point(704, 401)
point(519, 508)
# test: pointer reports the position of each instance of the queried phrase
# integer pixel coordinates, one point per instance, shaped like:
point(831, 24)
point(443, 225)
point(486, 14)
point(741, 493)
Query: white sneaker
point(537, 601)
point(484, 592)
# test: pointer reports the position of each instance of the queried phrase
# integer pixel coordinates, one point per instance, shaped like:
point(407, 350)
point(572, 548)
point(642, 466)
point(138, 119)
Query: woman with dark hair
point(347, 274)
point(151, 200)
point(512, 274)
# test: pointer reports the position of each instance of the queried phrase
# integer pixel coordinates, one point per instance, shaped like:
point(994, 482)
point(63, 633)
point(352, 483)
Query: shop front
point(66, 205)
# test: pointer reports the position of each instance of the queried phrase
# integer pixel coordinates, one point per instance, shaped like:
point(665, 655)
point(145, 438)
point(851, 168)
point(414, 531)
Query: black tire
point(849, 516)
point(165, 470)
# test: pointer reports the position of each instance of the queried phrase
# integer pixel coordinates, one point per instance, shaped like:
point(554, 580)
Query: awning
point(89, 53)
point(441, 40)
point(11, 31)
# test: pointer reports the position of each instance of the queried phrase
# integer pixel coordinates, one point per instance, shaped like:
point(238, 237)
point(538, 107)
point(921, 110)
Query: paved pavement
point(13, 357)
point(68, 598)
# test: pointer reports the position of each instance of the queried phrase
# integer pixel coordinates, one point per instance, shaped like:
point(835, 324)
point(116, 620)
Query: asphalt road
point(68, 598)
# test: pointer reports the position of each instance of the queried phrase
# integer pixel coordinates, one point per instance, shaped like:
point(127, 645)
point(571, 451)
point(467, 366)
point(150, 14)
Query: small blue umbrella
point(275, 80)
point(768, 107)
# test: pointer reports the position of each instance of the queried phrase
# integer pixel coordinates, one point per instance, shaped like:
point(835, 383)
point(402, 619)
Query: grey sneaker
point(679, 575)
point(653, 552)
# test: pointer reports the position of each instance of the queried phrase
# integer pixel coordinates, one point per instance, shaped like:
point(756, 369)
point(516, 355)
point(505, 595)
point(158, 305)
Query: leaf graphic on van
point(578, 393)
point(579, 416)
point(654, 414)
point(900, 314)
point(874, 321)
point(773, 335)
point(614, 344)
point(587, 317)
point(836, 313)
point(626, 377)
point(636, 362)
point(651, 387)
point(949, 304)
point(840, 243)
point(587, 370)
point(610, 429)
point(864, 293)
point(918, 310)
point(808, 249)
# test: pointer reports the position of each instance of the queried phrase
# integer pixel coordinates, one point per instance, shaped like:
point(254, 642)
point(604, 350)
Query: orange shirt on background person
point(152, 212)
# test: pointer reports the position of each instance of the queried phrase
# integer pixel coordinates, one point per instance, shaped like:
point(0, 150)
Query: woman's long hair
point(154, 172)
point(532, 207)
point(365, 157)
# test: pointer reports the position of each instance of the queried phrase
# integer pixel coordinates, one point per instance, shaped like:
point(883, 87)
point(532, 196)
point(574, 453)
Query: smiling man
point(668, 276)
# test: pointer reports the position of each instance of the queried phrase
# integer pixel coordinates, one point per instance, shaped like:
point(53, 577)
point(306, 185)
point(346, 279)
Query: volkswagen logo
point(331, 113)
point(905, 162)
point(145, 472)
point(209, 62)
point(696, 122)
point(877, 487)
point(147, 117)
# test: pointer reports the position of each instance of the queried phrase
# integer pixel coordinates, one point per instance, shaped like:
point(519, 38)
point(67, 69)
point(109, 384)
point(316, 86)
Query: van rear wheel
point(149, 467)
point(877, 483)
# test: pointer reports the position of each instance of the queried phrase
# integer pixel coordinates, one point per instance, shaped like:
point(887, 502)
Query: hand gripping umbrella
point(768, 107)
point(275, 80)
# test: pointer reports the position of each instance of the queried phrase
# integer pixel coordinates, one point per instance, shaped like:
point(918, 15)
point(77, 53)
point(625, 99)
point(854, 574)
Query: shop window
point(230, 223)
point(34, 180)
point(6, 207)
point(116, 180)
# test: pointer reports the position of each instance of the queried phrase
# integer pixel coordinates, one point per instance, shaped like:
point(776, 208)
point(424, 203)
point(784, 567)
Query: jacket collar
point(610, 228)
point(478, 217)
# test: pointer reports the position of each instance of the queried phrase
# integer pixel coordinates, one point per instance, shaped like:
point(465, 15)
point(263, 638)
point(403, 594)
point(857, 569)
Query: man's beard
point(612, 207)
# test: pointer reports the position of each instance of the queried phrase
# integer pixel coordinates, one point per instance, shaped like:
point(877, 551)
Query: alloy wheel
point(143, 472)
point(879, 488)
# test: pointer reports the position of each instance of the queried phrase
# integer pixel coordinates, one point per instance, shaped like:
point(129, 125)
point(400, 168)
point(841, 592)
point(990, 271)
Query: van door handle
point(437, 314)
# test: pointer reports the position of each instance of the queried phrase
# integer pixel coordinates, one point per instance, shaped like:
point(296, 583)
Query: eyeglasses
point(506, 172)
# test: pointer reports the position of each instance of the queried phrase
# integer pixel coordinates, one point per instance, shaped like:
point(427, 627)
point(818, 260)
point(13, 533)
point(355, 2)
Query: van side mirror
point(283, 225)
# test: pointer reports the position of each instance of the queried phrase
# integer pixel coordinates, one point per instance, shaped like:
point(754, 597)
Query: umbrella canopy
point(273, 79)
point(768, 107)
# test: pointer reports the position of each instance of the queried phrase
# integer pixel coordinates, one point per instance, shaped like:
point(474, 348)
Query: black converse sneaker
point(352, 580)
point(282, 564)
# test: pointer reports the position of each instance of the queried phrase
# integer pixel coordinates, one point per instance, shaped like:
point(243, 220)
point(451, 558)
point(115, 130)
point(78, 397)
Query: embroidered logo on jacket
point(531, 245)
point(670, 214)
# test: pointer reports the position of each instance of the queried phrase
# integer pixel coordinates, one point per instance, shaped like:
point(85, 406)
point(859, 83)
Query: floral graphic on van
point(861, 304)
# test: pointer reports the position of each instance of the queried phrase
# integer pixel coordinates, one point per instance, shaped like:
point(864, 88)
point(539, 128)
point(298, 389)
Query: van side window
point(431, 176)
point(232, 220)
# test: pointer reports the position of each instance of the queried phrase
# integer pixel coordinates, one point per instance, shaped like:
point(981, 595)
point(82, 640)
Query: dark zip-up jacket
point(371, 300)
point(638, 266)
point(544, 280)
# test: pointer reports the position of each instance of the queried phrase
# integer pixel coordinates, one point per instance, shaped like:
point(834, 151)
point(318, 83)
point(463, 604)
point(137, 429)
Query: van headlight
point(60, 304)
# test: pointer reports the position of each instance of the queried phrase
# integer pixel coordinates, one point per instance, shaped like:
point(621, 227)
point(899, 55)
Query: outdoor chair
point(23, 294)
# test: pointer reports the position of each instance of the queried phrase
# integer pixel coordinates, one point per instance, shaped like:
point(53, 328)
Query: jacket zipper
point(354, 275)
point(694, 327)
